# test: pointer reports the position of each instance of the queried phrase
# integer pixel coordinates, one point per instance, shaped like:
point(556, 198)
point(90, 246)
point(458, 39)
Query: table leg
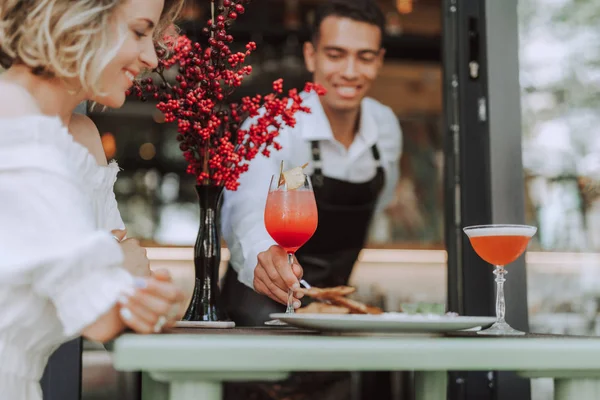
point(186, 390)
point(200, 385)
point(580, 389)
point(152, 389)
point(431, 385)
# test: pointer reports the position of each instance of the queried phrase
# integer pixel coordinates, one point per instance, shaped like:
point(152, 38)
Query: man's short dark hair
point(357, 10)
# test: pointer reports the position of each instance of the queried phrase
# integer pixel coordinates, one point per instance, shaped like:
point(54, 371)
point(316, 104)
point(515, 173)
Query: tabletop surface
point(273, 349)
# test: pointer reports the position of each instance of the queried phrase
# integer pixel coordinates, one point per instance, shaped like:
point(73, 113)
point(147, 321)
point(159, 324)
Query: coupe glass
point(500, 245)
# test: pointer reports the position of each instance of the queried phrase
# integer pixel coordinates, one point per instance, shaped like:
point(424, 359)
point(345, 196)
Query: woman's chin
point(112, 101)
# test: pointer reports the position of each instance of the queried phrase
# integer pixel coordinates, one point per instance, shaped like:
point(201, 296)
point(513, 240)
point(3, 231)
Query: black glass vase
point(206, 300)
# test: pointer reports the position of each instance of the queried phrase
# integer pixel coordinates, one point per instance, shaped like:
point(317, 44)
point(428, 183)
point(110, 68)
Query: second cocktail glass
point(500, 245)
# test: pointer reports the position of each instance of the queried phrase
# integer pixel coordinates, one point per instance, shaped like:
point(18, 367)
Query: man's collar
point(316, 126)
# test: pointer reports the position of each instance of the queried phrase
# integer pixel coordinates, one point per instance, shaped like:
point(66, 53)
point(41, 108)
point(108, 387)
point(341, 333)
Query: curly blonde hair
point(64, 38)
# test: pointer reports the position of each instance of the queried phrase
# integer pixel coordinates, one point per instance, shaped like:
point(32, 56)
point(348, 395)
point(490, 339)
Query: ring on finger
point(162, 320)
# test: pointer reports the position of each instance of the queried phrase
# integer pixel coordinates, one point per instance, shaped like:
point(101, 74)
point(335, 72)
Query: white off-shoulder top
point(60, 267)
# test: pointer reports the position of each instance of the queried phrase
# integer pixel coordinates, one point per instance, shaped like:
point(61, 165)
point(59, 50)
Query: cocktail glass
point(500, 245)
point(291, 219)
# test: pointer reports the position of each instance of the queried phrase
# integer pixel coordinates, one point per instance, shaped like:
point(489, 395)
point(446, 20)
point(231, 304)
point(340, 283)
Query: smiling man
point(352, 145)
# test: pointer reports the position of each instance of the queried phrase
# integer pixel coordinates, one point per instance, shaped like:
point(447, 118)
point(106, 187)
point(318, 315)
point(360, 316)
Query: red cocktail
point(499, 250)
point(500, 245)
point(291, 218)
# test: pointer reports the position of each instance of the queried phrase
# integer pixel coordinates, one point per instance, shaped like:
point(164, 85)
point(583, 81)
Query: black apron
point(345, 212)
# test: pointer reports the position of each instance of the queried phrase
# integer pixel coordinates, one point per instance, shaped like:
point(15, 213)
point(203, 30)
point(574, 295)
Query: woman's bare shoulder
point(86, 133)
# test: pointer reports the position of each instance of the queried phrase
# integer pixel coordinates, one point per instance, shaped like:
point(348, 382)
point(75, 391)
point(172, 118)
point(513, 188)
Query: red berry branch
point(216, 149)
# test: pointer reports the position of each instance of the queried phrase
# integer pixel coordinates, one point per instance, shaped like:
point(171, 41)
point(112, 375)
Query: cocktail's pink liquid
point(291, 217)
point(499, 250)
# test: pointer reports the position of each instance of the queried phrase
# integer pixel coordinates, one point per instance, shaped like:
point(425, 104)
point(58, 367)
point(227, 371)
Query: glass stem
point(500, 303)
point(290, 299)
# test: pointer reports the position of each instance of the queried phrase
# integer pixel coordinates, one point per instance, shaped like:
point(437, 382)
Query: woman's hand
point(154, 306)
point(135, 258)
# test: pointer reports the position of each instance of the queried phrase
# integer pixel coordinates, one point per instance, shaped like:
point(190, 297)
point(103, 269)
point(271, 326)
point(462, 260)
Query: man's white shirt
point(243, 210)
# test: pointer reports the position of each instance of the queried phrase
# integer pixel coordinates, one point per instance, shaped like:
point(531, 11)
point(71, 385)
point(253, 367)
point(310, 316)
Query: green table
point(194, 363)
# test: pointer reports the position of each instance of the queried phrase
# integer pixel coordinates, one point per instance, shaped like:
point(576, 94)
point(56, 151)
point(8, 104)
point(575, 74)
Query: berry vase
point(206, 300)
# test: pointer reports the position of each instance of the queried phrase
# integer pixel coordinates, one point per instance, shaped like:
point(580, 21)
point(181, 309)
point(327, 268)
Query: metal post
point(484, 177)
point(506, 164)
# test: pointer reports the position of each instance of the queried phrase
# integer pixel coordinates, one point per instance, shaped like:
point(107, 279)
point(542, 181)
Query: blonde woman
point(62, 273)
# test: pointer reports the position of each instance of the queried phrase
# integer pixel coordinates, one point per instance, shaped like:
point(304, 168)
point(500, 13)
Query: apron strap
point(318, 165)
point(376, 156)
point(317, 178)
point(316, 156)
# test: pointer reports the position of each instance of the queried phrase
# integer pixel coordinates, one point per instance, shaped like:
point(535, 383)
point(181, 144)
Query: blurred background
point(405, 260)
point(157, 198)
point(560, 80)
point(406, 246)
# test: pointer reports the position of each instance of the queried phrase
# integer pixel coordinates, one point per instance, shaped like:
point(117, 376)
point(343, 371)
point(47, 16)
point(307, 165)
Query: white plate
point(387, 322)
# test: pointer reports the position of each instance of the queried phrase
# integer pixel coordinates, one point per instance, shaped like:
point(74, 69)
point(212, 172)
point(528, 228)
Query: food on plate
point(318, 293)
point(322, 308)
point(335, 296)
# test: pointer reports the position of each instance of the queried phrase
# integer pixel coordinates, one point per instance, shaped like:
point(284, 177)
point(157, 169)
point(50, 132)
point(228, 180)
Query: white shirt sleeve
point(390, 147)
point(49, 242)
point(243, 214)
point(111, 216)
